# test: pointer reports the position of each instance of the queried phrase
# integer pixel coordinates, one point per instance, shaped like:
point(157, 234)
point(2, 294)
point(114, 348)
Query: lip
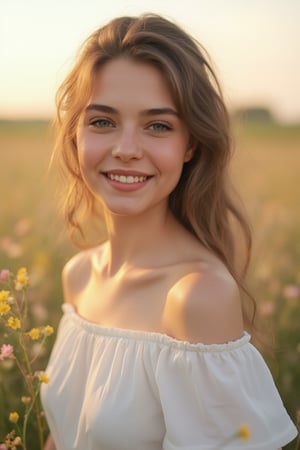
point(127, 186)
point(126, 173)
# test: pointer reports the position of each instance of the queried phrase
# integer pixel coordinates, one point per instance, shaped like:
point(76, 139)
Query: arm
point(204, 307)
point(50, 444)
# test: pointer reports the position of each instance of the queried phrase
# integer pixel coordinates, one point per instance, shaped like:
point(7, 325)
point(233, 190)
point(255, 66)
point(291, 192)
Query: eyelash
point(155, 127)
point(98, 123)
point(165, 127)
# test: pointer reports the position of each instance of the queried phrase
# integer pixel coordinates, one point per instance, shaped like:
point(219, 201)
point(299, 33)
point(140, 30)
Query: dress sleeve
point(209, 391)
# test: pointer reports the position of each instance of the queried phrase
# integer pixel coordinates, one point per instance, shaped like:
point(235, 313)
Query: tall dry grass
point(265, 170)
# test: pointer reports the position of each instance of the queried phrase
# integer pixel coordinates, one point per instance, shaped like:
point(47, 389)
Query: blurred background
point(255, 47)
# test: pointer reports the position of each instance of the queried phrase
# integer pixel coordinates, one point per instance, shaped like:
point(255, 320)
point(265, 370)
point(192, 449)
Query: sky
point(255, 46)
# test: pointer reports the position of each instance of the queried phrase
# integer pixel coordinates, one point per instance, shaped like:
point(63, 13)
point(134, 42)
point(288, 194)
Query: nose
point(127, 147)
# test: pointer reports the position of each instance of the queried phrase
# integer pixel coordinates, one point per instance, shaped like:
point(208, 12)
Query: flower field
point(265, 170)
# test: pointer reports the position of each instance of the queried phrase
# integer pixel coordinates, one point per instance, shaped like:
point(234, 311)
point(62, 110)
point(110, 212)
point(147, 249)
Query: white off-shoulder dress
point(117, 389)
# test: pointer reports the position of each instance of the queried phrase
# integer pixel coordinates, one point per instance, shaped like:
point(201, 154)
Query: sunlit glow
point(254, 45)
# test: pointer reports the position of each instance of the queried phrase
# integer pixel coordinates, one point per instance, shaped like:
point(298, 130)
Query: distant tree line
point(254, 114)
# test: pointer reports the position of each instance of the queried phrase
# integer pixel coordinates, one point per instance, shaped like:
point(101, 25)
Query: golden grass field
point(265, 170)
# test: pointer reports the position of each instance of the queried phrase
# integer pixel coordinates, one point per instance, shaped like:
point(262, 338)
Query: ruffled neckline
point(149, 336)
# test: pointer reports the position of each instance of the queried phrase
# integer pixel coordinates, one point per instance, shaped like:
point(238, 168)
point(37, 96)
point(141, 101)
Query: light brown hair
point(203, 200)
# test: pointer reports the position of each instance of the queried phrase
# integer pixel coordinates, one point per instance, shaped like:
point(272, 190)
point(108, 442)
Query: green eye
point(102, 123)
point(159, 127)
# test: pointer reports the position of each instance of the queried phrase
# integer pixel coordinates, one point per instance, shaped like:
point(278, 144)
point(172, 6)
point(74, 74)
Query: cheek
point(172, 158)
point(89, 150)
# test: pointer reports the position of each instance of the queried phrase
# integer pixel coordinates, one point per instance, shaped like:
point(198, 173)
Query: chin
point(123, 211)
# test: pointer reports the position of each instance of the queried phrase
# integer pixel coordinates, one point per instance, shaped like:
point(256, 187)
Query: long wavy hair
point(203, 201)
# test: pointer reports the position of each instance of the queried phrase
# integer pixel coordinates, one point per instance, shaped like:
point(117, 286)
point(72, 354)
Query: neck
point(138, 241)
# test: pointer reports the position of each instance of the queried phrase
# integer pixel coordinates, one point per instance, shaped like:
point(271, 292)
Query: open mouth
point(127, 179)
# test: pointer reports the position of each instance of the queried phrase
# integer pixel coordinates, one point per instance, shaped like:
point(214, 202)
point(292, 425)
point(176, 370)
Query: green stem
point(39, 420)
point(24, 304)
point(30, 390)
point(38, 353)
point(25, 367)
point(19, 433)
point(34, 395)
point(34, 405)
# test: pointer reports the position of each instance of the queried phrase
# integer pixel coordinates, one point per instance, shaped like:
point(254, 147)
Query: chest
point(134, 301)
point(102, 398)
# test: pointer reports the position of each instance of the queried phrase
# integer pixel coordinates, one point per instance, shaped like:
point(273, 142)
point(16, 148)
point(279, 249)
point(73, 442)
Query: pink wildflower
point(4, 275)
point(6, 351)
point(291, 291)
point(22, 227)
point(266, 308)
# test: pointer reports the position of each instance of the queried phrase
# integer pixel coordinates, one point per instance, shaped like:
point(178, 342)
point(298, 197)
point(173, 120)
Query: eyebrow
point(146, 112)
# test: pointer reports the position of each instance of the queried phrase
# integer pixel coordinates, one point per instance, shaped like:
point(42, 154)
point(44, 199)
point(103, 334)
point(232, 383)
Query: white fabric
point(117, 389)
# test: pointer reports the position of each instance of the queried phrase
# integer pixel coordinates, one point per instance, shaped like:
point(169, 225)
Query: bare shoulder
point(204, 306)
point(76, 274)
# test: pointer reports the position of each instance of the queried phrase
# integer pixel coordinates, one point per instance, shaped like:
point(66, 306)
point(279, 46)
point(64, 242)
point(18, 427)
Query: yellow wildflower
point(43, 377)
point(4, 309)
point(244, 432)
point(14, 417)
point(17, 441)
point(48, 330)
point(22, 279)
point(34, 333)
point(4, 296)
point(13, 323)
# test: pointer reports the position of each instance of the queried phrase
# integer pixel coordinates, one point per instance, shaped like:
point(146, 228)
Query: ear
point(189, 153)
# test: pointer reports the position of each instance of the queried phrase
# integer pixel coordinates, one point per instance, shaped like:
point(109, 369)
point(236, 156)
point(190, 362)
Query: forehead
point(124, 81)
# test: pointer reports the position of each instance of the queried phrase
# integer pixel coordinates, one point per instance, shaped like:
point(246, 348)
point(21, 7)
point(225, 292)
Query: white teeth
point(124, 179)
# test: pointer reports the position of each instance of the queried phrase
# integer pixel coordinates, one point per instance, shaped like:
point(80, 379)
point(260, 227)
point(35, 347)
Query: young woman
point(152, 352)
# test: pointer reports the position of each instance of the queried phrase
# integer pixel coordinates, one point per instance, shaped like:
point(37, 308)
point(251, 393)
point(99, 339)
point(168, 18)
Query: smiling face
point(132, 143)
